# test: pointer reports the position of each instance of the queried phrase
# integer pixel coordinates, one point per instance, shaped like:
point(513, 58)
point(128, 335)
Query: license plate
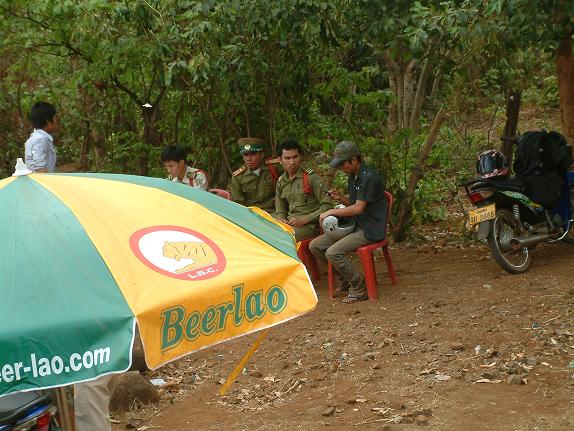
point(481, 214)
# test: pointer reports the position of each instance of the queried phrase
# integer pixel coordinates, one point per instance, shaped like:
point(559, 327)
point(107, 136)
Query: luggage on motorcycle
point(541, 159)
point(540, 153)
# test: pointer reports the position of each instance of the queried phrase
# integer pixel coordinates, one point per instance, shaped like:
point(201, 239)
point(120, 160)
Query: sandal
point(350, 299)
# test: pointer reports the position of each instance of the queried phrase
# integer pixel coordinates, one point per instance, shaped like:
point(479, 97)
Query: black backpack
point(541, 153)
point(541, 158)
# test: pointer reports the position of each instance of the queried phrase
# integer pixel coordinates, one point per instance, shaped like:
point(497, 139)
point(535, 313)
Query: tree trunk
point(393, 120)
point(565, 76)
point(409, 92)
point(396, 72)
point(512, 111)
point(414, 122)
point(349, 105)
point(406, 205)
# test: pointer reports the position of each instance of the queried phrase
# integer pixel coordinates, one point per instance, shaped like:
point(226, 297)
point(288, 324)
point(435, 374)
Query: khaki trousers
point(310, 230)
point(92, 404)
point(337, 252)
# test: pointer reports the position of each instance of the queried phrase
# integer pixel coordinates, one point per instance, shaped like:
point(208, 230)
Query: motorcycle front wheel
point(503, 228)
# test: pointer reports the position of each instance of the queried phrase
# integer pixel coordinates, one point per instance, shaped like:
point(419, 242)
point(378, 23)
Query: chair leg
point(331, 280)
point(390, 267)
point(369, 269)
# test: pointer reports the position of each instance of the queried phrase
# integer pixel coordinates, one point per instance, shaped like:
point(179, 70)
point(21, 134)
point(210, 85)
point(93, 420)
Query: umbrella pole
point(242, 363)
point(63, 409)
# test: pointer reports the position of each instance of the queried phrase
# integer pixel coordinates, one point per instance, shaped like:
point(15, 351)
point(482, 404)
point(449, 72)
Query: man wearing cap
point(300, 196)
point(253, 184)
point(367, 203)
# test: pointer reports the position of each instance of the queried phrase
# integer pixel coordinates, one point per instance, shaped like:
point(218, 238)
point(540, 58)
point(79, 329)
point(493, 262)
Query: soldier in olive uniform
point(253, 184)
point(300, 195)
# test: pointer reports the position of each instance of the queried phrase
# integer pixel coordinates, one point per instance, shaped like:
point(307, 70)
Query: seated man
point(368, 205)
point(300, 196)
point(173, 159)
point(253, 184)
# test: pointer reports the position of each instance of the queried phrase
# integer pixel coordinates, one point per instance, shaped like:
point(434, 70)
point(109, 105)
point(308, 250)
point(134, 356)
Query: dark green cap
point(344, 150)
point(250, 145)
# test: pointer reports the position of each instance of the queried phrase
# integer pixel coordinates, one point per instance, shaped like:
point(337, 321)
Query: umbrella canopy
point(85, 256)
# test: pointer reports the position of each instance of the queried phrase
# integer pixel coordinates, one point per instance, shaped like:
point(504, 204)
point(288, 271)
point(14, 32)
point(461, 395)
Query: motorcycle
point(512, 223)
point(28, 411)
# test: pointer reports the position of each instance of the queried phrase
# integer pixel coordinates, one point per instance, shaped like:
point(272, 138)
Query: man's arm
point(281, 205)
point(38, 152)
point(236, 192)
point(319, 191)
point(352, 210)
point(201, 180)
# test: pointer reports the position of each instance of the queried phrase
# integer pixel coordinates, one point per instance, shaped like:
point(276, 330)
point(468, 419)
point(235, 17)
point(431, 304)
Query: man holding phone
point(367, 203)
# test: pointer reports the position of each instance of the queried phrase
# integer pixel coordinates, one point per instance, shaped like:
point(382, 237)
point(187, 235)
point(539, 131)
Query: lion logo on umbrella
point(178, 252)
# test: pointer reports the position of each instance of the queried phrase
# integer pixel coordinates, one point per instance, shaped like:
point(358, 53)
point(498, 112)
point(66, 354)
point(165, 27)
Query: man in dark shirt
point(368, 205)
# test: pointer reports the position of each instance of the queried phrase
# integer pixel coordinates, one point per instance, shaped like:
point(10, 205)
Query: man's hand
point(334, 194)
point(296, 222)
point(323, 215)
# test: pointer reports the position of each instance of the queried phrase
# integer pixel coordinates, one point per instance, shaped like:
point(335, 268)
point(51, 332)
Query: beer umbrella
point(84, 257)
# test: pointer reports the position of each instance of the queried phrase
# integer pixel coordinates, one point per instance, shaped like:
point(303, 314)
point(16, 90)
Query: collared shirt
point(193, 177)
point(292, 201)
point(40, 152)
point(254, 188)
point(368, 187)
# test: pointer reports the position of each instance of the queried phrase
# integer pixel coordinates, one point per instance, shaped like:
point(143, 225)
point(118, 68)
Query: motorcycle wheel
point(504, 227)
point(569, 238)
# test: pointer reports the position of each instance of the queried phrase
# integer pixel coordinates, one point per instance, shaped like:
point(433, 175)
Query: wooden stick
point(242, 363)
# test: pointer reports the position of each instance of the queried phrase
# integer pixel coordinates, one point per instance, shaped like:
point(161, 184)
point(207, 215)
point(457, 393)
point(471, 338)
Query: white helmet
point(337, 229)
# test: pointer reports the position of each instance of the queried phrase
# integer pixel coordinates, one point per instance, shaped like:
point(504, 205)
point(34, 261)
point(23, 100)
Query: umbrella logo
point(178, 252)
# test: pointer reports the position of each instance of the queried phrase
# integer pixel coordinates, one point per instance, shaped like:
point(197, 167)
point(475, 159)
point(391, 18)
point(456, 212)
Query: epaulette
point(273, 161)
point(240, 170)
point(310, 171)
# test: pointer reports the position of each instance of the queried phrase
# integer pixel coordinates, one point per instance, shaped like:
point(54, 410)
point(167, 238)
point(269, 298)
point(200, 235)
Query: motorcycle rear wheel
point(504, 227)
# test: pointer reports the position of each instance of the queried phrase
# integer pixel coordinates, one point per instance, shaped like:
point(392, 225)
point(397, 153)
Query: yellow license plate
point(481, 214)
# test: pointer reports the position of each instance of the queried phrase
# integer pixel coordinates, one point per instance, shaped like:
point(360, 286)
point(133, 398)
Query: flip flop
point(350, 299)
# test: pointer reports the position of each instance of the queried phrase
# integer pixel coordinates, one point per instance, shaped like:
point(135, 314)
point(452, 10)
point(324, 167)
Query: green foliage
point(130, 77)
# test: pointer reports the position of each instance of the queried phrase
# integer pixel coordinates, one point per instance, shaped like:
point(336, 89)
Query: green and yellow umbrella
point(83, 257)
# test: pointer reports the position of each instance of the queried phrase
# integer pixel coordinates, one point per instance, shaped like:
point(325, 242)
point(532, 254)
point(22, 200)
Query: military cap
point(344, 150)
point(250, 145)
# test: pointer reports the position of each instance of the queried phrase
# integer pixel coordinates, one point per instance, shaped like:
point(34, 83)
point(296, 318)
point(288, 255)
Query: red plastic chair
point(220, 192)
point(308, 259)
point(368, 262)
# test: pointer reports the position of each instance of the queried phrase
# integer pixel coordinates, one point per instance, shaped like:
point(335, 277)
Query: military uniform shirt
point(368, 187)
point(292, 201)
point(252, 190)
point(193, 177)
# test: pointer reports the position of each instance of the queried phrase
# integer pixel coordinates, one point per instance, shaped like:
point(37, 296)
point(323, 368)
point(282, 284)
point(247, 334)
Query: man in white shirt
point(173, 159)
point(40, 154)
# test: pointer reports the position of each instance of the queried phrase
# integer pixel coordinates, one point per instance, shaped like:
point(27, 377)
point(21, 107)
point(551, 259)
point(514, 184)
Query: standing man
point(300, 196)
point(368, 205)
point(173, 159)
point(253, 184)
point(40, 154)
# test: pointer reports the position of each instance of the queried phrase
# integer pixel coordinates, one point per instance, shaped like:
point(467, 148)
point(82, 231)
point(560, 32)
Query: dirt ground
point(458, 344)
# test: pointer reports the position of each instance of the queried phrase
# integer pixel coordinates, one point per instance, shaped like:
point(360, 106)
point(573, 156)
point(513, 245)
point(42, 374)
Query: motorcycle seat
point(511, 184)
point(12, 406)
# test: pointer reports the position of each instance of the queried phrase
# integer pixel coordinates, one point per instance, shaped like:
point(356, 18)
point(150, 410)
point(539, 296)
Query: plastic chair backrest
point(220, 192)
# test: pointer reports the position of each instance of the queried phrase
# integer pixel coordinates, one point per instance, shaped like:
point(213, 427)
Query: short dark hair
point(41, 114)
point(290, 144)
point(172, 153)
